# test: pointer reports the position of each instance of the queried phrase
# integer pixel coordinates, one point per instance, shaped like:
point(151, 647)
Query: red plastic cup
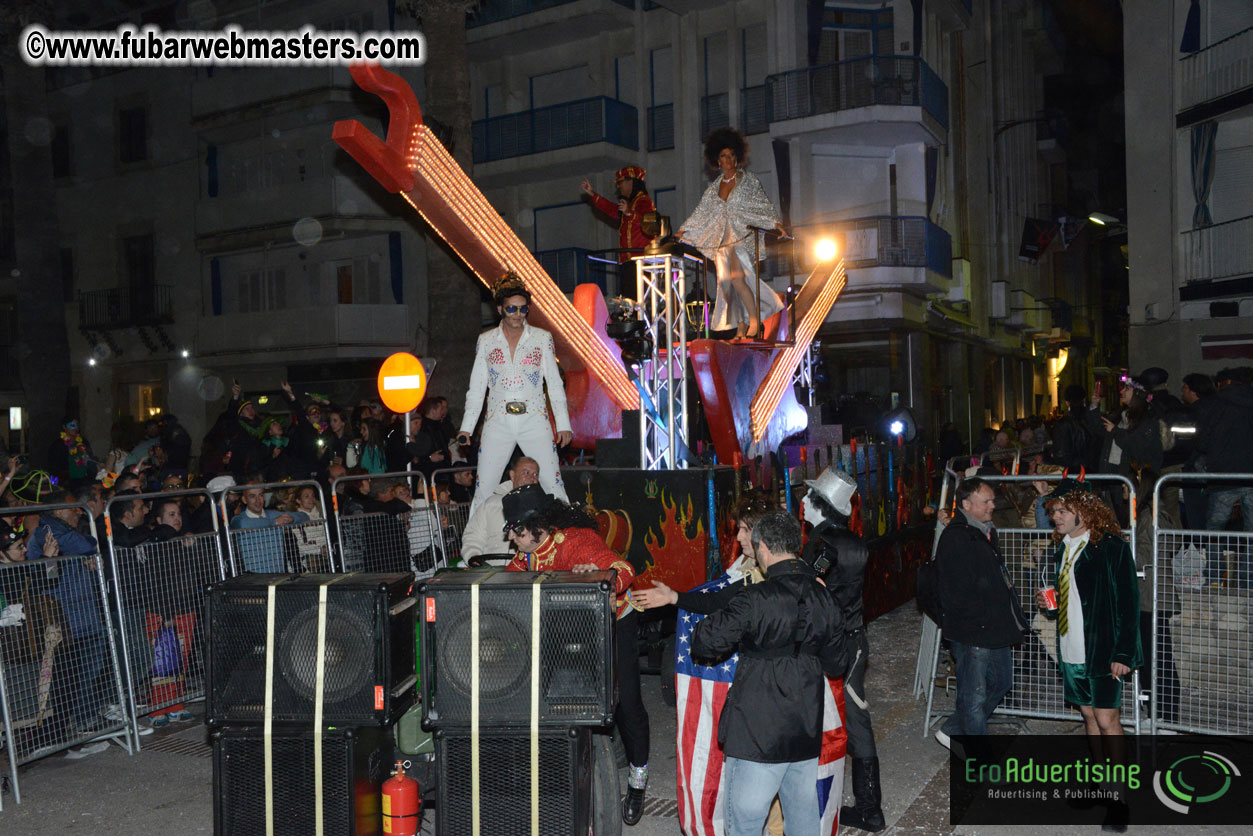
point(1050, 597)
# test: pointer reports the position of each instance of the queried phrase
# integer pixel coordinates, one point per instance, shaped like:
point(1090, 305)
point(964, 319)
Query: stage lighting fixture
point(627, 329)
point(825, 249)
point(900, 423)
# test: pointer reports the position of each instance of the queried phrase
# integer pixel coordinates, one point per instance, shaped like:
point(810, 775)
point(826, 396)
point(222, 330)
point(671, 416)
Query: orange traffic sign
point(402, 382)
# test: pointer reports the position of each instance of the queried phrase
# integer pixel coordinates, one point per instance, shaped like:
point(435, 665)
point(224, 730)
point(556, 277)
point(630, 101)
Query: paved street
point(167, 788)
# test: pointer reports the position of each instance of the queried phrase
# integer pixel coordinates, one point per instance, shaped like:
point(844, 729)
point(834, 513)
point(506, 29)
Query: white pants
point(534, 435)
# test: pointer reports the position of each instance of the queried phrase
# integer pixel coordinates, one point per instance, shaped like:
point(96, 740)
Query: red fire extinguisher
point(401, 803)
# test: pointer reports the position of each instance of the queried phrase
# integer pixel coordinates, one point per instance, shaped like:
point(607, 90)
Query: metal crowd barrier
point(60, 681)
point(296, 546)
point(378, 541)
point(1037, 690)
point(453, 516)
point(158, 595)
point(1202, 613)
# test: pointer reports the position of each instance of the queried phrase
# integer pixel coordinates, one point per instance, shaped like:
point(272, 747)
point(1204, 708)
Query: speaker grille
point(505, 782)
point(576, 650)
point(354, 766)
point(367, 651)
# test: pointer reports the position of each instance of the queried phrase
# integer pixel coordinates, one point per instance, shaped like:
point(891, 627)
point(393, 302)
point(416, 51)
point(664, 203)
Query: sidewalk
point(167, 787)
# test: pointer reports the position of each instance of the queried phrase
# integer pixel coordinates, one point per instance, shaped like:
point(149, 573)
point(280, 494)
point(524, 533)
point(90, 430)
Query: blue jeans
point(751, 788)
point(984, 677)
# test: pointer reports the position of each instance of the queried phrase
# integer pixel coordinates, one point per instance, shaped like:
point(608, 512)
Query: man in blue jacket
point(260, 540)
point(77, 590)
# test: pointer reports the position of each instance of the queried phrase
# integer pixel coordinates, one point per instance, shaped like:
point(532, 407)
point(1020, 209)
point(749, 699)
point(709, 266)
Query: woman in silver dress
point(720, 228)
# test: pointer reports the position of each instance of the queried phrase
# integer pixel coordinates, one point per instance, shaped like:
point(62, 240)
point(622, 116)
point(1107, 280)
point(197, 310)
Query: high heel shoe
point(755, 332)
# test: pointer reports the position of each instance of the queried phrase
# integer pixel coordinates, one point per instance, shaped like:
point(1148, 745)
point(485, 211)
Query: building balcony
point(509, 27)
point(383, 328)
point(269, 206)
point(125, 307)
point(583, 135)
point(877, 100)
point(1219, 77)
point(1220, 251)
point(880, 252)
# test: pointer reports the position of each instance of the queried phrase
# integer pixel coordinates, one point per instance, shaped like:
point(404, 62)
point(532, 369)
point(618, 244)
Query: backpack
point(928, 590)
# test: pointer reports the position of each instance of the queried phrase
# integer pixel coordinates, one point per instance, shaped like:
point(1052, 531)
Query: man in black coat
point(789, 635)
point(839, 557)
point(983, 617)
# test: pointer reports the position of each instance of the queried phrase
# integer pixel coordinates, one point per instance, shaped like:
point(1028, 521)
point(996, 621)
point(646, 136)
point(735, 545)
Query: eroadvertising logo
point(1194, 780)
point(1027, 779)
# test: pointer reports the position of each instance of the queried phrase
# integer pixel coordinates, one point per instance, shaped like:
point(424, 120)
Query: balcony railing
point(567, 125)
point(492, 11)
point(1217, 70)
point(125, 307)
point(661, 127)
point(877, 241)
point(715, 112)
point(1219, 251)
point(753, 116)
point(860, 82)
point(570, 267)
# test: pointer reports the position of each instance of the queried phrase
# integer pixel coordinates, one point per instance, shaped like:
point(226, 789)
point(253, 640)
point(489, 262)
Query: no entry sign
point(402, 382)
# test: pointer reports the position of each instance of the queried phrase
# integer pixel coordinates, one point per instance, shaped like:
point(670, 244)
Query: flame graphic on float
point(678, 560)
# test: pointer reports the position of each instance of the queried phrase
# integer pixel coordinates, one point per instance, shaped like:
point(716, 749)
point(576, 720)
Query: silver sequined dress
point(720, 229)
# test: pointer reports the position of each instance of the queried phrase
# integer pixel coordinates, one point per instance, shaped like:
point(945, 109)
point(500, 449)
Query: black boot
point(866, 812)
point(633, 805)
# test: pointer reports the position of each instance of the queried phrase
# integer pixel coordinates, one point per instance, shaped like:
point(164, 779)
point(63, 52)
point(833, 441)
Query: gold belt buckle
point(516, 407)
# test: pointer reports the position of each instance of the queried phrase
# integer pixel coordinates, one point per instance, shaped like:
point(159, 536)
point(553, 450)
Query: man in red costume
point(633, 204)
point(552, 536)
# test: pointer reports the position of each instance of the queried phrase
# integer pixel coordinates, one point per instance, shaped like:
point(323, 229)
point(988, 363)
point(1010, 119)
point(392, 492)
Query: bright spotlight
point(91, 361)
point(825, 249)
point(1103, 219)
point(186, 353)
point(896, 427)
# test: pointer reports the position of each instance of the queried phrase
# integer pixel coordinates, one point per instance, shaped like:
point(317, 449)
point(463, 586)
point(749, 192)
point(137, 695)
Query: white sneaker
point(943, 739)
point(89, 749)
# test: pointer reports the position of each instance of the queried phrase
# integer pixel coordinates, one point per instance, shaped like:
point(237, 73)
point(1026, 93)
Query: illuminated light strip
point(497, 241)
point(769, 393)
point(401, 381)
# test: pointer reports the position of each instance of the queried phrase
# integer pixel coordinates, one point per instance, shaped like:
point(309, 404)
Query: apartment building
point(1190, 183)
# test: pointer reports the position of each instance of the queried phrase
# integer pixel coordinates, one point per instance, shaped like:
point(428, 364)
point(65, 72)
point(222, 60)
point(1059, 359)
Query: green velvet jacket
point(1109, 593)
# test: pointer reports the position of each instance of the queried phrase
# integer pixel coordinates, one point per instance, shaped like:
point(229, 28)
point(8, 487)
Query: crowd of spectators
point(156, 553)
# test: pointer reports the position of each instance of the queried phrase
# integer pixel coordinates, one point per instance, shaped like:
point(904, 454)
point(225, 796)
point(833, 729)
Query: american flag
point(701, 692)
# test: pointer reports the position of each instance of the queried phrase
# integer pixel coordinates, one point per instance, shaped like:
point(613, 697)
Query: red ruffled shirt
point(570, 547)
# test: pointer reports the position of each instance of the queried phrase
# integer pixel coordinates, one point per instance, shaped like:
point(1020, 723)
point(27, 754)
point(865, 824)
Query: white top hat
point(836, 487)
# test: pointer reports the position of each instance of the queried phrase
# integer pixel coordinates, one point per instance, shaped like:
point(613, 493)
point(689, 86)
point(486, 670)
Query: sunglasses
point(522, 309)
point(517, 529)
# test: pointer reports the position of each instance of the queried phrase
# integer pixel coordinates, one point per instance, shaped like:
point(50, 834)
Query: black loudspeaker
point(369, 670)
point(504, 785)
point(624, 451)
point(355, 763)
point(576, 618)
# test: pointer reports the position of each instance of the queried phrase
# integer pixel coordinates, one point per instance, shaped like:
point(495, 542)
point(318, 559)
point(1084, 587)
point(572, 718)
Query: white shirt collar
point(1082, 539)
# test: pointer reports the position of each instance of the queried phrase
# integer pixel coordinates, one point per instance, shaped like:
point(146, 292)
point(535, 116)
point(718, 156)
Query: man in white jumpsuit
point(511, 364)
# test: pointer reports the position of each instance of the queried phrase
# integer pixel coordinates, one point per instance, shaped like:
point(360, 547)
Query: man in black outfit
point(789, 635)
point(983, 617)
point(839, 557)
